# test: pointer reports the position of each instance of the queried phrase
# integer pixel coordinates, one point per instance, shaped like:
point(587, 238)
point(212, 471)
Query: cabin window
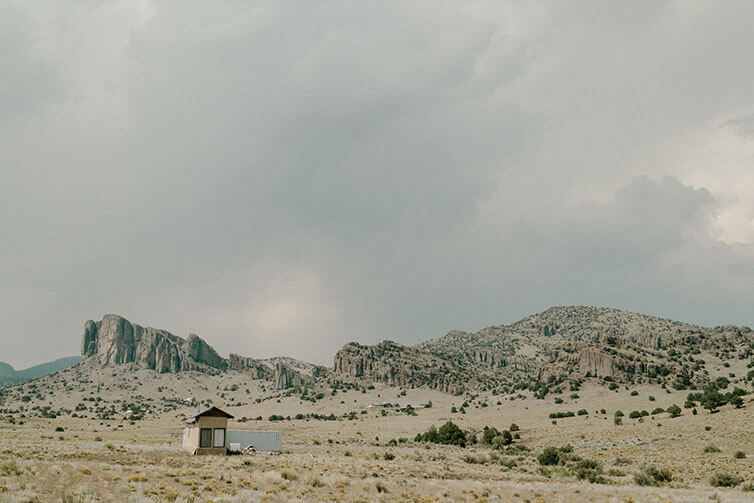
point(205, 437)
point(219, 437)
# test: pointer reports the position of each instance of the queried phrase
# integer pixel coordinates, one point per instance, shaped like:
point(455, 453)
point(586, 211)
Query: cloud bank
point(283, 178)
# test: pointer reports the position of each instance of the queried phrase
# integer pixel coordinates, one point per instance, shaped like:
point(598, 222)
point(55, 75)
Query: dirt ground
point(372, 456)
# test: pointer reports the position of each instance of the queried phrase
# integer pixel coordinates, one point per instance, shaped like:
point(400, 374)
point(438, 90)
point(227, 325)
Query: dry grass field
point(369, 453)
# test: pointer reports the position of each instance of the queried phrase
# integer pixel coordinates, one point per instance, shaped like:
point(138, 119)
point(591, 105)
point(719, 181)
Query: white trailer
point(271, 441)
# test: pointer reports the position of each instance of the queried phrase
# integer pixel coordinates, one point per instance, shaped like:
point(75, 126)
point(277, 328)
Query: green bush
point(724, 479)
point(549, 456)
point(449, 434)
point(591, 470)
point(653, 476)
point(500, 441)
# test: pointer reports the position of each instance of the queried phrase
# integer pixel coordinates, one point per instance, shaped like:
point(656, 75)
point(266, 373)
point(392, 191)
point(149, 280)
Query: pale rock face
point(286, 377)
point(115, 340)
point(256, 368)
point(399, 365)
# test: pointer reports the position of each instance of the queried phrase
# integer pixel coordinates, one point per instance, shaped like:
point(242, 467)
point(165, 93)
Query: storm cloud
point(282, 178)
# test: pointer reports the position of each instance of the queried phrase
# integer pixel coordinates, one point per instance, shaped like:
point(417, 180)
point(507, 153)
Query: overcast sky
point(282, 178)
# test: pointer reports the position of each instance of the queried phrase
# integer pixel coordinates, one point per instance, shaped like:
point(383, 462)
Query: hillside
point(9, 376)
point(557, 349)
point(575, 342)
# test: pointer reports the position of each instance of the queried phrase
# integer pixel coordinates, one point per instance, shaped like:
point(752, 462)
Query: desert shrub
point(10, 469)
point(500, 441)
point(488, 434)
point(660, 475)
point(560, 415)
point(653, 476)
point(739, 455)
point(582, 412)
point(724, 479)
point(59, 428)
point(473, 460)
point(658, 410)
point(589, 469)
point(288, 475)
point(514, 427)
point(711, 448)
point(642, 479)
point(549, 456)
point(674, 410)
point(389, 456)
point(315, 482)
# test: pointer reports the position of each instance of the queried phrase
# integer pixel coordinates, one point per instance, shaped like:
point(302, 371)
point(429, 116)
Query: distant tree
point(711, 400)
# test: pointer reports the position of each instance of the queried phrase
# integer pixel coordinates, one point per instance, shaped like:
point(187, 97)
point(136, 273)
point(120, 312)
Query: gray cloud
point(742, 126)
point(284, 178)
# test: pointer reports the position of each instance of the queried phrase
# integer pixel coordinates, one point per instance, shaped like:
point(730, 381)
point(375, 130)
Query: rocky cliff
point(399, 365)
point(115, 340)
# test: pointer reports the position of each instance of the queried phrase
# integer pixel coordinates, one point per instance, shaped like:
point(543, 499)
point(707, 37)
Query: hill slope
point(573, 342)
point(9, 376)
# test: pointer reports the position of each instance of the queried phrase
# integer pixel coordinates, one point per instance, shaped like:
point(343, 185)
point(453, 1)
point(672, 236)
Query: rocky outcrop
point(399, 365)
point(115, 340)
point(254, 367)
point(286, 377)
point(580, 360)
point(200, 351)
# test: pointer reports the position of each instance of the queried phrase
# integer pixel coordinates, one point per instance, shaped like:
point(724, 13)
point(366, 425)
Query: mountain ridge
point(557, 344)
point(10, 376)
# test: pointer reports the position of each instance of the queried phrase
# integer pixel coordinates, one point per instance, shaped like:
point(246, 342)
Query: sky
point(285, 177)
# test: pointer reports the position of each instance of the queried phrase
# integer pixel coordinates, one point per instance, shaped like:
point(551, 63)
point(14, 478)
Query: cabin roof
point(211, 412)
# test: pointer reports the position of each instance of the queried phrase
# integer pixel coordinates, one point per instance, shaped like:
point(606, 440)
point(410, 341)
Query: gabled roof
point(211, 411)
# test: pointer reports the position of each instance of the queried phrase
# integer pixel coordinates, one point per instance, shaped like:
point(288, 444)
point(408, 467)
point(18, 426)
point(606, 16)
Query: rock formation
point(399, 365)
point(116, 340)
point(256, 368)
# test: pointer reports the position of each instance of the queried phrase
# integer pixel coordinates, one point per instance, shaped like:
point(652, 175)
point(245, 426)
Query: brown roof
point(211, 411)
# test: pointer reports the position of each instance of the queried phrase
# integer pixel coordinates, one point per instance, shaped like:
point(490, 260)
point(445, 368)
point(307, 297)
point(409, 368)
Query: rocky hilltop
point(114, 341)
point(573, 342)
point(561, 343)
point(405, 366)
